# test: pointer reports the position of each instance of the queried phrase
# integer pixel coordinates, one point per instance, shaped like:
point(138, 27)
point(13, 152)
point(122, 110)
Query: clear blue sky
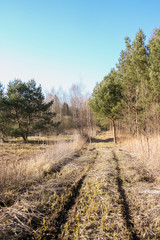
point(61, 42)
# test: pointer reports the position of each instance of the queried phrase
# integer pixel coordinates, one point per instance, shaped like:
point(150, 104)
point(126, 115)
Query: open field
point(23, 163)
point(98, 192)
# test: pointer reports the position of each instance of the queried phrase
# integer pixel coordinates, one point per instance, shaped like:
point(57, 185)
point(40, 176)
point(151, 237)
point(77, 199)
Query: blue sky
point(61, 42)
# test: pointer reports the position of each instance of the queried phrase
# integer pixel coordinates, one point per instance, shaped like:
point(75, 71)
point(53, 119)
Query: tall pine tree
point(106, 99)
point(134, 74)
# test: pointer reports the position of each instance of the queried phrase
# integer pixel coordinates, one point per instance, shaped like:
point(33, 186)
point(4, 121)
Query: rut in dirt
point(58, 166)
point(62, 217)
point(125, 206)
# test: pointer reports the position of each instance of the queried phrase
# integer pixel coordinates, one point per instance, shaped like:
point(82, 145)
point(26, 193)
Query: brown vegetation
point(99, 192)
point(146, 149)
point(23, 164)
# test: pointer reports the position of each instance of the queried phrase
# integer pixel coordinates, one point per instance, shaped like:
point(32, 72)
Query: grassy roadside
point(142, 188)
point(29, 214)
point(23, 164)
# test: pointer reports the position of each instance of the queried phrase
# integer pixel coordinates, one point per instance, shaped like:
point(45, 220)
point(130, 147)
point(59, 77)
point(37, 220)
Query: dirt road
point(98, 194)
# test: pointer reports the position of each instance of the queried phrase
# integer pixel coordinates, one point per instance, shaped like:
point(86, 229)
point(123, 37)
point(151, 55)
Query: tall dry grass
point(146, 149)
point(16, 172)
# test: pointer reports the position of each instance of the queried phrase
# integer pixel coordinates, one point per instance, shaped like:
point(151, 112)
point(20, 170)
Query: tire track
point(61, 217)
point(123, 200)
point(75, 191)
point(56, 168)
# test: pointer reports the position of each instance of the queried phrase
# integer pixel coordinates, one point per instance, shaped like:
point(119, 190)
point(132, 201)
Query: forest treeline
point(129, 96)
point(25, 111)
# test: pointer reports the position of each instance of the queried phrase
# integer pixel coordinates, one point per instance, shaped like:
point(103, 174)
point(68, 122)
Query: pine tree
point(65, 110)
point(29, 113)
point(141, 66)
point(127, 77)
point(5, 113)
point(154, 57)
point(106, 99)
point(1, 109)
point(1, 90)
point(154, 73)
point(133, 71)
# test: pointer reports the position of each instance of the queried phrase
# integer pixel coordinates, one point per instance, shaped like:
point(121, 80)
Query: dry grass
point(97, 193)
point(21, 164)
point(30, 212)
point(145, 149)
point(139, 159)
point(43, 139)
point(142, 189)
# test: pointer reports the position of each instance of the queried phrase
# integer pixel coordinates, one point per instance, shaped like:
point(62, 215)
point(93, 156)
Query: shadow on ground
point(48, 142)
point(124, 204)
point(95, 140)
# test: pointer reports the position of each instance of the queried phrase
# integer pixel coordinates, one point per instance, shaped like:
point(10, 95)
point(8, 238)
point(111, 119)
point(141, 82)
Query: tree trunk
point(137, 130)
point(4, 140)
point(114, 132)
point(24, 136)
